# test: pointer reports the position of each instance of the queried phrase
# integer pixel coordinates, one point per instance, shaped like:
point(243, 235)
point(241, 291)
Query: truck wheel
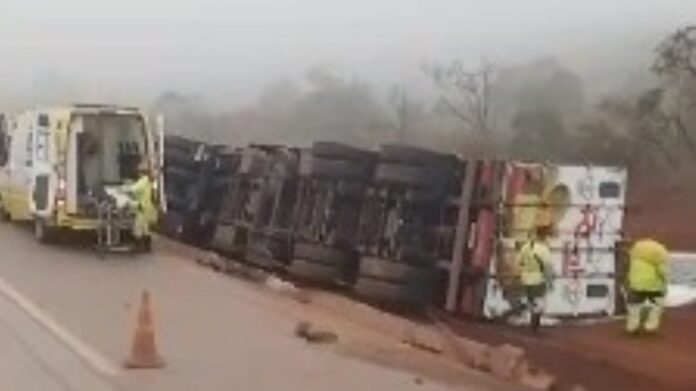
point(423, 177)
point(333, 150)
point(321, 264)
point(395, 283)
point(314, 271)
point(261, 255)
point(396, 271)
point(405, 154)
point(42, 232)
point(389, 293)
point(335, 169)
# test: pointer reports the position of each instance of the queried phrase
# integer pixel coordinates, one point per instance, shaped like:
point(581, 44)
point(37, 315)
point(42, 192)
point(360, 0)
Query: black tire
point(315, 271)
point(322, 264)
point(397, 272)
point(422, 177)
point(228, 240)
point(4, 214)
point(261, 255)
point(322, 254)
point(339, 151)
point(334, 169)
point(408, 155)
point(390, 293)
point(395, 283)
point(415, 255)
point(42, 232)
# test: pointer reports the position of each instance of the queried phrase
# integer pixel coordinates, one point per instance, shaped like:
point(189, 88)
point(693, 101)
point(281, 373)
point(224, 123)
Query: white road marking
point(100, 363)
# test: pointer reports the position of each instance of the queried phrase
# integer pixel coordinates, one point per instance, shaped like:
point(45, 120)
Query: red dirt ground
point(602, 358)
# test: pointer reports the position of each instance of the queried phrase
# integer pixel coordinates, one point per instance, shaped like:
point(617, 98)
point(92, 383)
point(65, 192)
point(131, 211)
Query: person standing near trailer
point(535, 273)
point(144, 209)
point(646, 286)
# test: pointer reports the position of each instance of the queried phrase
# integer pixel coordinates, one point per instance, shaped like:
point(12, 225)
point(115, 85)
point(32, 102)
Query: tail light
point(61, 191)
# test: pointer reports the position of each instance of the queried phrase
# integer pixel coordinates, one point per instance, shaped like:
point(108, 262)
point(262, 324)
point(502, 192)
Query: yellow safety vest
point(533, 261)
point(648, 266)
point(142, 191)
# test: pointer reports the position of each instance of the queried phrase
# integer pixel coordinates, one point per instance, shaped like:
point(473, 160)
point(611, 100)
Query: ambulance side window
point(42, 146)
point(30, 149)
point(8, 148)
point(4, 142)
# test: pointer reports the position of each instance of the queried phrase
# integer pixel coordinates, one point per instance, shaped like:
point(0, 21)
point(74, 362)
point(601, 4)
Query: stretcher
point(115, 220)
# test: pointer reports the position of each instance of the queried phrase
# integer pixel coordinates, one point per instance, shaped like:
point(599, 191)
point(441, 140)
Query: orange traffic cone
point(143, 351)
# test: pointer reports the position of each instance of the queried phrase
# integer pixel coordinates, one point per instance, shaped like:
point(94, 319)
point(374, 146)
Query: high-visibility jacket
point(142, 191)
point(648, 266)
point(534, 263)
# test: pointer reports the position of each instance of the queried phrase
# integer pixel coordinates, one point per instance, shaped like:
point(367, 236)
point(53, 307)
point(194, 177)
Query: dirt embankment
point(603, 358)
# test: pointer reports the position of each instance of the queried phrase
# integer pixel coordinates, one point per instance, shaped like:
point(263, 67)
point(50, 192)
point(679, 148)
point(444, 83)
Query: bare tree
point(676, 58)
point(465, 93)
point(677, 53)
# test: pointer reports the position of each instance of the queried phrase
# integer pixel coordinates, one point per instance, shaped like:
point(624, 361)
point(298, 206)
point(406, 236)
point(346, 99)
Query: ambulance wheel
point(42, 232)
point(4, 214)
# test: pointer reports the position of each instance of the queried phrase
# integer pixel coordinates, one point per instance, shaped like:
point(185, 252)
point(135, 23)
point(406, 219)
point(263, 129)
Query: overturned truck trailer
point(503, 203)
point(334, 179)
point(404, 224)
point(255, 219)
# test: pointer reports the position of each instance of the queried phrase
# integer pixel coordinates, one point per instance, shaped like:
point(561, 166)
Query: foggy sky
point(228, 50)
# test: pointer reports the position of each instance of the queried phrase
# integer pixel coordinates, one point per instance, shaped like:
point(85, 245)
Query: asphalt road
point(66, 318)
point(33, 359)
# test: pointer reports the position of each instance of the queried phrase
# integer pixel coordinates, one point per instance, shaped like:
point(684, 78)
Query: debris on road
point(424, 341)
point(536, 380)
point(507, 361)
point(286, 288)
point(312, 334)
point(280, 286)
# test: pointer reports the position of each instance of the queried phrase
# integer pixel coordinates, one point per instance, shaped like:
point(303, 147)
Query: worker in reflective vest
point(145, 211)
point(535, 273)
point(646, 286)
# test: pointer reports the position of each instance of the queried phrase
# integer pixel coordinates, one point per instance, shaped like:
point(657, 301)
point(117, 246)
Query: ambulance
point(58, 162)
